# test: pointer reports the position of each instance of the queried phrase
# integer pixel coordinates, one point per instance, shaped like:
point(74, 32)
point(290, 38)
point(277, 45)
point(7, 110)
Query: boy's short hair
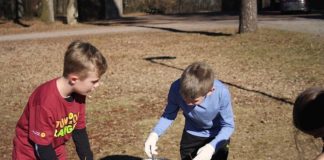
point(82, 57)
point(196, 80)
point(308, 109)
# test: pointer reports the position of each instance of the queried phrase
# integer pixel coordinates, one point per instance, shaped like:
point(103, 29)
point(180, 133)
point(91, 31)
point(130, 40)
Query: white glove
point(205, 153)
point(150, 144)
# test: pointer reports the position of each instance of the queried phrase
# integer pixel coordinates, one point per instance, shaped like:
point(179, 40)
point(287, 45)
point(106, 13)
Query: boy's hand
point(150, 144)
point(205, 153)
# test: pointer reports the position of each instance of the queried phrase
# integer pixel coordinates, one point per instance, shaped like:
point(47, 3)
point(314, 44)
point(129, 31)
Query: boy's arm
point(41, 131)
point(169, 114)
point(45, 152)
point(163, 124)
point(227, 120)
point(82, 145)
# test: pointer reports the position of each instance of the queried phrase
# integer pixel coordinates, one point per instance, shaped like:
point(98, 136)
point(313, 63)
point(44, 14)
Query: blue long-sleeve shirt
point(212, 118)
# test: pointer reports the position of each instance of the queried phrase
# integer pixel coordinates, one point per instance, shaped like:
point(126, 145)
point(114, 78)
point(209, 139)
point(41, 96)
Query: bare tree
point(47, 11)
point(19, 10)
point(248, 16)
point(19, 13)
point(72, 12)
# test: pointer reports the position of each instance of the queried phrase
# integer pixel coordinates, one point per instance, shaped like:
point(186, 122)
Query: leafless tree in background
point(47, 11)
point(72, 12)
point(248, 16)
point(19, 10)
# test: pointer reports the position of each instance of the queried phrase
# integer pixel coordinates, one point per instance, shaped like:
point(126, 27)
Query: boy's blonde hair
point(308, 109)
point(196, 80)
point(82, 57)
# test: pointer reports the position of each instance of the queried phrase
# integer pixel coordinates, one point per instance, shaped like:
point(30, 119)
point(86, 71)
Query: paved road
point(313, 24)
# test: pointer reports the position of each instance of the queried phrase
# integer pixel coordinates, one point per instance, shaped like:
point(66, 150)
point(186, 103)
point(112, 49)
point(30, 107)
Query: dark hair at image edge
point(308, 109)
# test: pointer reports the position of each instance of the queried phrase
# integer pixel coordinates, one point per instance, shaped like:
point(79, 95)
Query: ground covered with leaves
point(264, 71)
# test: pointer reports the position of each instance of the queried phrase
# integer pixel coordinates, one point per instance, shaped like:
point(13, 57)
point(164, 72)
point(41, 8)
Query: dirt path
point(301, 23)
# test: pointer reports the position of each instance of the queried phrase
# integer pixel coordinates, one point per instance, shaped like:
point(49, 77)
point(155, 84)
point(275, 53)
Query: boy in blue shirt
point(206, 106)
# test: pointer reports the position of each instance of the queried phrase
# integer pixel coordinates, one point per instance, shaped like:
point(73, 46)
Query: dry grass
point(259, 68)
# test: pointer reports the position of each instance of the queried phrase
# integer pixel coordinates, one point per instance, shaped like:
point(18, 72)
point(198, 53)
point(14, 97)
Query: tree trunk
point(19, 10)
point(72, 12)
point(47, 11)
point(248, 16)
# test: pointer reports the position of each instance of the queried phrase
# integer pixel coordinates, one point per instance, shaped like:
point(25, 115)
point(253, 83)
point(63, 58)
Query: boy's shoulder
point(48, 85)
point(219, 84)
point(175, 84)
point(45, 91)
point(221, 89)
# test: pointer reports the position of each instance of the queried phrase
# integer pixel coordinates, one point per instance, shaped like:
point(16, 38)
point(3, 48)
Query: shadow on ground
point(119, 21)
point(195, 32)
point(164, 18)
point(127, 157)
point(206, 16)
point(121, 157)
point(20, 23)
point(280, 99)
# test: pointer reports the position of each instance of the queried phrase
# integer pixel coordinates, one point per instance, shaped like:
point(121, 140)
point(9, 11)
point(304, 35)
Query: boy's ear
point(73, 78)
